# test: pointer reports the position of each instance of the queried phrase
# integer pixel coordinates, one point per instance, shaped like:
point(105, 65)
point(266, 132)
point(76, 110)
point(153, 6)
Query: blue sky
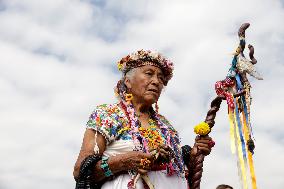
point(58, 61)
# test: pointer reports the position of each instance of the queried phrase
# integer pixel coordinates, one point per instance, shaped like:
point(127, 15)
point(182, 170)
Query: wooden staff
point(198, 160)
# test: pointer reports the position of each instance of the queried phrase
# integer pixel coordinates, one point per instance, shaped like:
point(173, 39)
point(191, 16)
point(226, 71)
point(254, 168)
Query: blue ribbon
point(240, 131)
point(245, 108)
point(234, 62)
point(239, 83)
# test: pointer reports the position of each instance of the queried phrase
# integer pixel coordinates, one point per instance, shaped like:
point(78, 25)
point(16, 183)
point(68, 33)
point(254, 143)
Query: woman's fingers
point(204, 144)
point(162, 151)
point(167, 148)
point(142, 155)
point(205, 151)
point(202, 138)
point(205, 141)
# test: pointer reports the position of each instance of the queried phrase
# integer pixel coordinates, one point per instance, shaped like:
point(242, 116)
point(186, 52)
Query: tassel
point(96, 148)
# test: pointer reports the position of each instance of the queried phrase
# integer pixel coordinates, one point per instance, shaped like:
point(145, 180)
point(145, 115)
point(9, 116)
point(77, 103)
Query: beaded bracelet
point(105, 167)
point(86, 172)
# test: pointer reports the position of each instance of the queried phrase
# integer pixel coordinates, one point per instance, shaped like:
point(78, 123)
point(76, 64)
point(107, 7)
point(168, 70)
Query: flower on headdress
point(202, 129)
point(119, 66)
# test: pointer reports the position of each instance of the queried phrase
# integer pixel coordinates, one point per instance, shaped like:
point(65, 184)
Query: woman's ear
point(127, 83)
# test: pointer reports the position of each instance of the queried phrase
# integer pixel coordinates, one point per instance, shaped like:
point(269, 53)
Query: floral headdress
point(142, 58)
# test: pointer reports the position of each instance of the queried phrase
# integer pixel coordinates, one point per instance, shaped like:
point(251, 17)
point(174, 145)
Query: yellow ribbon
point(237, 154)
point(232, 131)
point(250, 160)
point(252, 173)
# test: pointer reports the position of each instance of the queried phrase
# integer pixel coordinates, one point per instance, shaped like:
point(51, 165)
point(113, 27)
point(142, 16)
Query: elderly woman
point(129, 144)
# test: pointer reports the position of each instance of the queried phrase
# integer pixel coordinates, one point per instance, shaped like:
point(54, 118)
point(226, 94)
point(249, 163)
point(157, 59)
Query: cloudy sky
point(58, 61)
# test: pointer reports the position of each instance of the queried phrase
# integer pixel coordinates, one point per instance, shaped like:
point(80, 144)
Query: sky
point(58, 62)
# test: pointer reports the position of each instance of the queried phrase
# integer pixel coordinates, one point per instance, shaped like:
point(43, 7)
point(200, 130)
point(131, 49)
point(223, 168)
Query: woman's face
point(146, 84)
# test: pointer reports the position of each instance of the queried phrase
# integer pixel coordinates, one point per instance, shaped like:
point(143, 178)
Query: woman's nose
point(155, 80)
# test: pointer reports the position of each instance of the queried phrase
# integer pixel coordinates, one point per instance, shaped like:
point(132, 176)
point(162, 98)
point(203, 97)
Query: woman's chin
point(151, 100)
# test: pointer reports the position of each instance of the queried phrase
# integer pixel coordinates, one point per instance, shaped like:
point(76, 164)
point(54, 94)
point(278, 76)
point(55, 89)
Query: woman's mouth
point(154, 91)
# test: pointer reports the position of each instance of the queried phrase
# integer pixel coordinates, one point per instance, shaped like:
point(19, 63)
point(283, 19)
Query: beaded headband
point(143, 58)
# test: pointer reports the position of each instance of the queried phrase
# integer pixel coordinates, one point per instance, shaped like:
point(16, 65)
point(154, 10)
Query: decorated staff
point(235, 89)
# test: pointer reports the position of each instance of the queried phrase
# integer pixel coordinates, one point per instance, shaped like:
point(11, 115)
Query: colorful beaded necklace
point(142, 142)
point(152, 135)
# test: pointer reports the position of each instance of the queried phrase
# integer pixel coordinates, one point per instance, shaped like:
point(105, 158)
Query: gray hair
point(130, 73)
point(121, 87)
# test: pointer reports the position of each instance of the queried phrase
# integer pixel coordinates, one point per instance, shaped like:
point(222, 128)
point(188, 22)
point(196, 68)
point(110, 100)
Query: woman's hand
point(202, 143)
point(134, 161)
point(162, 154)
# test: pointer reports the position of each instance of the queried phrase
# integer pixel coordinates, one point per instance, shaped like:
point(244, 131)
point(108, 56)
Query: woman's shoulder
point(106, 119)
point(107, 108)
point(109, 113)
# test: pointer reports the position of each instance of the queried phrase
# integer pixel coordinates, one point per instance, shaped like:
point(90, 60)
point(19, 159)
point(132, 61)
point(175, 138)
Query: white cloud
point(58, 60)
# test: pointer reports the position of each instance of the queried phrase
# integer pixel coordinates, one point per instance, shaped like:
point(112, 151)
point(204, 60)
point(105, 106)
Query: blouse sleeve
point(103, 121)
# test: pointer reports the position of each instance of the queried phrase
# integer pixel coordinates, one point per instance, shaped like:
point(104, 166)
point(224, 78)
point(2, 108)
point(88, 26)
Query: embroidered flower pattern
point(110, 121)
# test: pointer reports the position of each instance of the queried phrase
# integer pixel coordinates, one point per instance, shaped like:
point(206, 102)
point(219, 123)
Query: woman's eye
point(161, 79)
point(148, 73)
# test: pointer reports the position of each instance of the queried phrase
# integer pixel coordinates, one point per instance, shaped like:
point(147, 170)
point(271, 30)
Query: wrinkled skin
point(146, 85)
